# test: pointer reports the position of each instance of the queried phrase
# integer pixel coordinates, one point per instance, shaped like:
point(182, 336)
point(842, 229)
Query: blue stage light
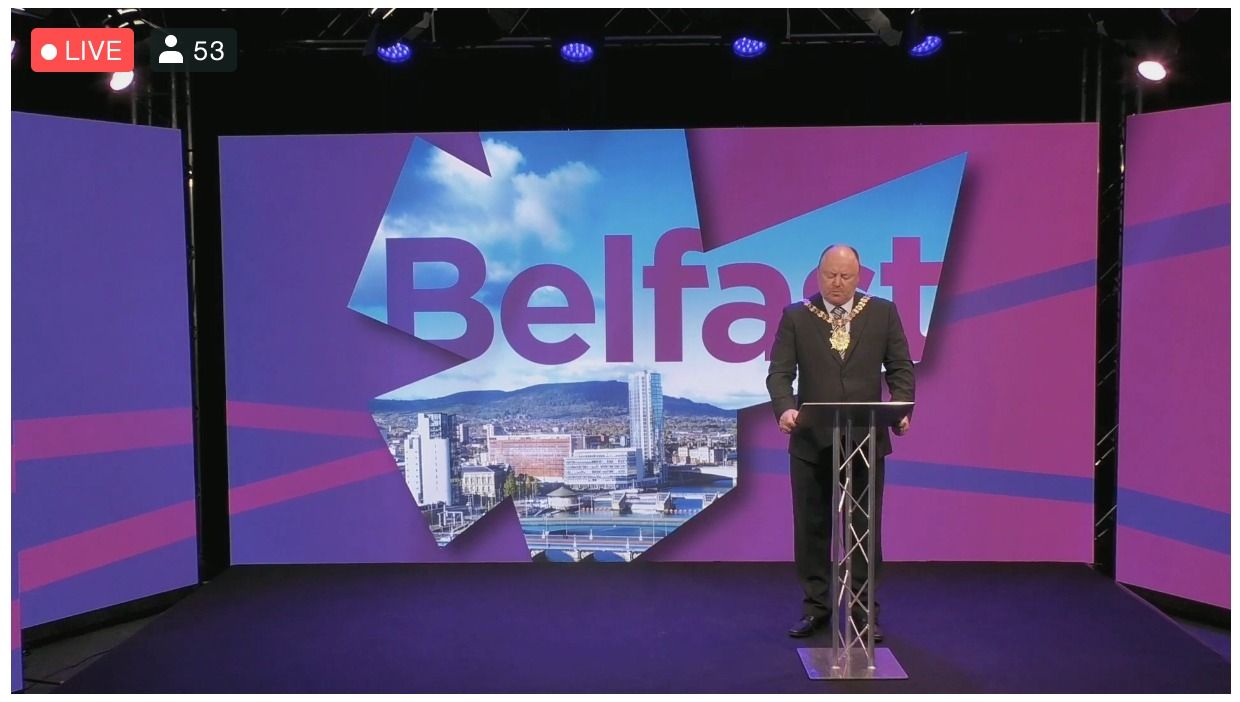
point(395, 53)
point(748, 47)
point(927, 46)
point(577, 52)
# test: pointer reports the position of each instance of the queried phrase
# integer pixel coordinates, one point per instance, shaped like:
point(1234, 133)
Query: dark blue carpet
point(644, 627)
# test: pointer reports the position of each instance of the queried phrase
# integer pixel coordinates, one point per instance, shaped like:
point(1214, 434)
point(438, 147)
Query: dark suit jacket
point(803, 346)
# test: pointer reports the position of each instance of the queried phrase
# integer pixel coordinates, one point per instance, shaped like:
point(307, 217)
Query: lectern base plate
point(819, 665)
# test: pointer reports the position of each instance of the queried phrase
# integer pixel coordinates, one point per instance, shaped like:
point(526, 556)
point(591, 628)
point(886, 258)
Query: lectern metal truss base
point(819, 665)
point(854, 543)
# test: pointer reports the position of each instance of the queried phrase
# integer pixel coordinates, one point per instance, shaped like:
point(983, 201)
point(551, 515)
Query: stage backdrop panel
point(1174, 506)
point(482, 347)
point(103, 503)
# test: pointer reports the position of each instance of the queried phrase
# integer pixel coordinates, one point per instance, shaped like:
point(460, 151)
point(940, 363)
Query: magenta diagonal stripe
point(72, 555)
point(55, 437)
point(305, 420)
point(64, 558)
point(310, 480)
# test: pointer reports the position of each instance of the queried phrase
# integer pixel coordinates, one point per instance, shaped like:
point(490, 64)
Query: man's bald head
point(840, 249)
point(838, 271)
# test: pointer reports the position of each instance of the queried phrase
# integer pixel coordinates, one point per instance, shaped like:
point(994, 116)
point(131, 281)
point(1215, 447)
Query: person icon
point(171, 56)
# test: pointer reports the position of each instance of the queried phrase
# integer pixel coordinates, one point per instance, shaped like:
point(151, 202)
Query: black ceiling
point(302, 70)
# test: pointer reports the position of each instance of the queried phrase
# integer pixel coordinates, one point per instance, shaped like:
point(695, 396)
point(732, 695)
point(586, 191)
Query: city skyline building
point(430, 459)
point(646, 422)
point(604, 469)
point(539, 455)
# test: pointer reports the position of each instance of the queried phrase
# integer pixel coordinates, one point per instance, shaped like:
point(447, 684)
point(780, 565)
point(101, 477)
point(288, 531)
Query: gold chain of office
point(839, 326)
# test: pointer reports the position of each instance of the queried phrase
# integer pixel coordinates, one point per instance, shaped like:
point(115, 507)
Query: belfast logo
point(603, 354)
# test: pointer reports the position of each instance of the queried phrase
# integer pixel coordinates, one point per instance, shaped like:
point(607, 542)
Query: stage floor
point(645, 627)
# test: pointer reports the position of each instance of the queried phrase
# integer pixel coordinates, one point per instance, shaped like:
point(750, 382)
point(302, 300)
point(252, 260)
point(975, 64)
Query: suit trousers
point(812, 515)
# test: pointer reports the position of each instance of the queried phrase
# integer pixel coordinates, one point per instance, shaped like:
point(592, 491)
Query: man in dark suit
point(838, 342)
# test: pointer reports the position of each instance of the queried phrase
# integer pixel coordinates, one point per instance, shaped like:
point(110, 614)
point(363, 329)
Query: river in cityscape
point(604, 523)
point(598, 529)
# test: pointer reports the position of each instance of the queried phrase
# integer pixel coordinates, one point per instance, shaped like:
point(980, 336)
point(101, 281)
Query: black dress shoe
point(808, 625)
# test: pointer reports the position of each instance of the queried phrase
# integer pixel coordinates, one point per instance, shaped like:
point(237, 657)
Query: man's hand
point(788, 421)
point(902, 427)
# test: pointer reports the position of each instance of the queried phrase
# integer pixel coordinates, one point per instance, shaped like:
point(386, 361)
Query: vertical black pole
point(206, 319)
point(1110, 105)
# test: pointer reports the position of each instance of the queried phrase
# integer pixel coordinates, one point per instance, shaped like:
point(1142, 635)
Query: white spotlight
point(121, 80)
point(1152, 70)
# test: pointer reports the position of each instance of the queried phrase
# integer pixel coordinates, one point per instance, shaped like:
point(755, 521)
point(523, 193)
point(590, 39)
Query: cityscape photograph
point(597, 470)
